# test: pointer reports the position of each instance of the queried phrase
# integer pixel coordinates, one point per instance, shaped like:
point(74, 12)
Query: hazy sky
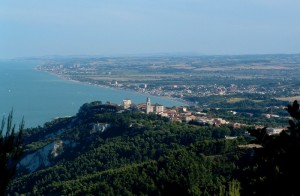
point(121, 27)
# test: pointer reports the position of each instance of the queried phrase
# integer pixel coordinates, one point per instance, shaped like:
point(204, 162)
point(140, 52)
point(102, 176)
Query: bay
point(41, 97)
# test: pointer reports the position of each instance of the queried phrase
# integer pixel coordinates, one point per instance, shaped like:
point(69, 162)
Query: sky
point(140, 27)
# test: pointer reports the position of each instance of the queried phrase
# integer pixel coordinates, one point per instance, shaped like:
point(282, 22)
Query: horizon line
point(162, 54)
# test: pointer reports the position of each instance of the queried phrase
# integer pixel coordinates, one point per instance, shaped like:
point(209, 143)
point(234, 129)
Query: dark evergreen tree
point(10, 150)
point(277, 164)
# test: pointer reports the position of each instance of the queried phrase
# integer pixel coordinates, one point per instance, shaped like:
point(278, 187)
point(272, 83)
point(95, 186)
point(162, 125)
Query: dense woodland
point(139, 154)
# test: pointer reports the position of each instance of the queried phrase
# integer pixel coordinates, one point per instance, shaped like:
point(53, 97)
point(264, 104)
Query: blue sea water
point(41, 97)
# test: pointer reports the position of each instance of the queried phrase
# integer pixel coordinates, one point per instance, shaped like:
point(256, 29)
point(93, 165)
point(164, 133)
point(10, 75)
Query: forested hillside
point(106, 151)
point(101, 150)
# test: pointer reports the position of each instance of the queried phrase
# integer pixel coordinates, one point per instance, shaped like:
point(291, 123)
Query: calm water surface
point(40, 97)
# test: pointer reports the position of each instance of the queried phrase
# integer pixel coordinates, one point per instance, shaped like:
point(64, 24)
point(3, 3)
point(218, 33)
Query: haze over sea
point(41, 97)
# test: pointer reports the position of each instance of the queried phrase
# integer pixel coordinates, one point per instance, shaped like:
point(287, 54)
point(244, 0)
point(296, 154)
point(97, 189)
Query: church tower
point(148, 106)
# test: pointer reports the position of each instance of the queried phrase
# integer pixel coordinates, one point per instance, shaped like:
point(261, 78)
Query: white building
point(127, 103)
point(157, 108)
point(272, 131)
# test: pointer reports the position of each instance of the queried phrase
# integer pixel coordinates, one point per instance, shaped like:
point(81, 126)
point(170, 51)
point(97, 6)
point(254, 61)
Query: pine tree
point(277, 164)
point(10, 150)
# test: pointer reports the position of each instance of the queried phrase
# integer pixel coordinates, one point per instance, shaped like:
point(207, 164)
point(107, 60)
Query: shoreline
point(181, 101)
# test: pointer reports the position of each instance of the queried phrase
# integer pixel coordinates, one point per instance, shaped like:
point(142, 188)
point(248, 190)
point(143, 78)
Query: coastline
point(178, 100)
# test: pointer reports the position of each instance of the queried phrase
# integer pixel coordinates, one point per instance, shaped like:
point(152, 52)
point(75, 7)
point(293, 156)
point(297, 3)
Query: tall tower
point(148, 106)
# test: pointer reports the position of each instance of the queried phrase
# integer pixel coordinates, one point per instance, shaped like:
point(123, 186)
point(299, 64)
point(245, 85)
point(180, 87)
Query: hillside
point(103, 150)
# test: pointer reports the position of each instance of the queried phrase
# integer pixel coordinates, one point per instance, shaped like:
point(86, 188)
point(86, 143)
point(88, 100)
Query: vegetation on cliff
point(117, 152)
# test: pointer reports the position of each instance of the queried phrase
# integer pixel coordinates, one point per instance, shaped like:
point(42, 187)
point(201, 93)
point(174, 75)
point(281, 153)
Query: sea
point(40, 97)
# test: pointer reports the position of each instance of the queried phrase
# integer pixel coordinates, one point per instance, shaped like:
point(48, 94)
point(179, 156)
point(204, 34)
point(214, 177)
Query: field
point(290, 99)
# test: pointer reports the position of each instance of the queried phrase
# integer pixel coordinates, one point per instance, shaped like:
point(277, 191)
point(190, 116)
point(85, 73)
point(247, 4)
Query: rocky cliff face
point(44, 156)
point(63, 138)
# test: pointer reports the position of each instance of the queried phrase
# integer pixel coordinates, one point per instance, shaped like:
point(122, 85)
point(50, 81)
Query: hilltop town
point(182, 114)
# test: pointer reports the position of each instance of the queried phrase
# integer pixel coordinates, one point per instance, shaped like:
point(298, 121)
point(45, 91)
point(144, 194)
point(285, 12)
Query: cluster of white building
point(147, 108)
point(180, 113)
